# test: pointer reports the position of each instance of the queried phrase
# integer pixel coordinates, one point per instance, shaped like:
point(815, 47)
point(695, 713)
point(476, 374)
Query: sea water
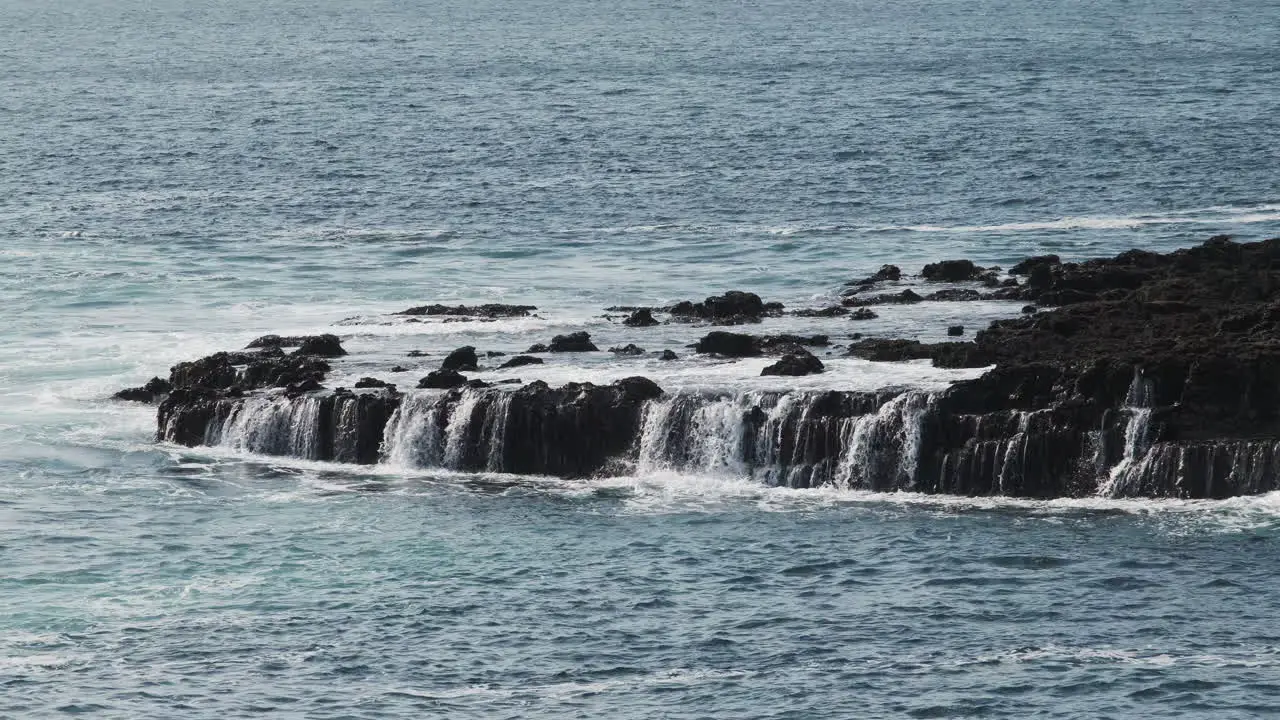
point(176, 178)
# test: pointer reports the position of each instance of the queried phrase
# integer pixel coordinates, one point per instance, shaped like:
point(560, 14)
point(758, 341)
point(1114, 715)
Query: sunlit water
point(178, 178)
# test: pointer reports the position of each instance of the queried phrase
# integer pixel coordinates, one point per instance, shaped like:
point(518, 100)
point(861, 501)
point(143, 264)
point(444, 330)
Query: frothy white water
point(1204, 216)
point(271, 425)
point(1137, 441)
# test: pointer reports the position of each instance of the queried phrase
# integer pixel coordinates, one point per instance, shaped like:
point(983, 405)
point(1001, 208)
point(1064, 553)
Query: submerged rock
point(906, 297)
point(321, 346)
point(628, 349)
point(490, 310)
point(668, 355)
point(519, 361)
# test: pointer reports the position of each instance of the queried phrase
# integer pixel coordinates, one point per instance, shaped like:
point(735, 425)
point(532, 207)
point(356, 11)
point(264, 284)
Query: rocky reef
point(1140, 375)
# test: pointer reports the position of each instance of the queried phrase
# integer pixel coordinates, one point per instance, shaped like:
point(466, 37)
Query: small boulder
point(668, 355)
point(863, 314)
point(399, 369)
point(464, 358)
point(951, 271)
point(538, 348)
point(728, 344)
point(628, 349)
point(1026, 266)
point(573, 342)
point(326, 345)
point(368, 382)
point(442, 380)
point(795, 363)
point(640, 318)
point(955, 330)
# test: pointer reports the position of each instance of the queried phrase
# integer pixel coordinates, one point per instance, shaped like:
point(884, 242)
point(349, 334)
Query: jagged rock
point(573, 342)
point(477, 384)
point(462, 359)
point(951, 271)
point(417, 353)
point(732, 308)
point(368, 382)
point(886, 273)
point(776, 343)
point(303, 386)
point(490, 310)
point(642, 317)
point(906, 297)
point(955, 330)
point(628, 349)
point(248, 370)
point(399, 369)
point(155, 389)
point(442, 379)
point(494, 353)
point(795, 363)
point(520, 360)
point(668, 355)
point(538, 348)
point(863, 314)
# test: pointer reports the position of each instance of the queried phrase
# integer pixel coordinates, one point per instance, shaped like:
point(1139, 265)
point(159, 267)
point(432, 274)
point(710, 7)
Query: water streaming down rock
point(893, 440)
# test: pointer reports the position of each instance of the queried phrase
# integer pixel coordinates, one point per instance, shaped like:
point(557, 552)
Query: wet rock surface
point(464, 359)
point(1142, 374)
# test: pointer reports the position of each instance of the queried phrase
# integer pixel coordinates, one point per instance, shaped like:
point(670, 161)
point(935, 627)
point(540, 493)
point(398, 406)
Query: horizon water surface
point(179, 178)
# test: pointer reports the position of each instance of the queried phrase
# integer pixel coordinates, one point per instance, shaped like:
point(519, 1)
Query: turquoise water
point(179, 178)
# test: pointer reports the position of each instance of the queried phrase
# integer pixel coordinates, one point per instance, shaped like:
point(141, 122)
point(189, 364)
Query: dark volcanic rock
point(668, 355)
point(730, 344)
point(886, 273)
point(573, 342)
point(948, 354)
point(951, 271)
point(732, 308)
point(1026, 266)
point(321, 346)
point(247, 370)
point(640, 318)
point(491, 310)
point(442, 379)
point(906, 297)
point(519, 361)
point(955, 330)
point(795, 363)
point(628, 349)
point(155, 389)
point(954, 295)
point(538, 348)
point(832, 311)
point(326, 345)
point(863, 314)
point(368, 382)
point(399, 369)
point(463, 359)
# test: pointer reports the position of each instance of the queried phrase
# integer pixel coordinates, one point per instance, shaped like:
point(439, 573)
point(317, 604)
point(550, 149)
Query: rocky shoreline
point(1139, 375)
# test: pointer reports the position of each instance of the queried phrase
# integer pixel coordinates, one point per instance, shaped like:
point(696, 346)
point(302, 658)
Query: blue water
point(176, 178)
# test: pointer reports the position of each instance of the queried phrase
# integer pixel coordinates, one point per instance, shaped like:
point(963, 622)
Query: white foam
point(1204, 216)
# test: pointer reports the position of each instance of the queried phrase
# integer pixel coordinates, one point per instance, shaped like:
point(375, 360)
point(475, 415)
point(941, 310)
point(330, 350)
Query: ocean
point(179, 178)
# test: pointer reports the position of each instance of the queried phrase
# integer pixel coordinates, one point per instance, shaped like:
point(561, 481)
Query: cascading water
point(1130, 469)
point(271, 425)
